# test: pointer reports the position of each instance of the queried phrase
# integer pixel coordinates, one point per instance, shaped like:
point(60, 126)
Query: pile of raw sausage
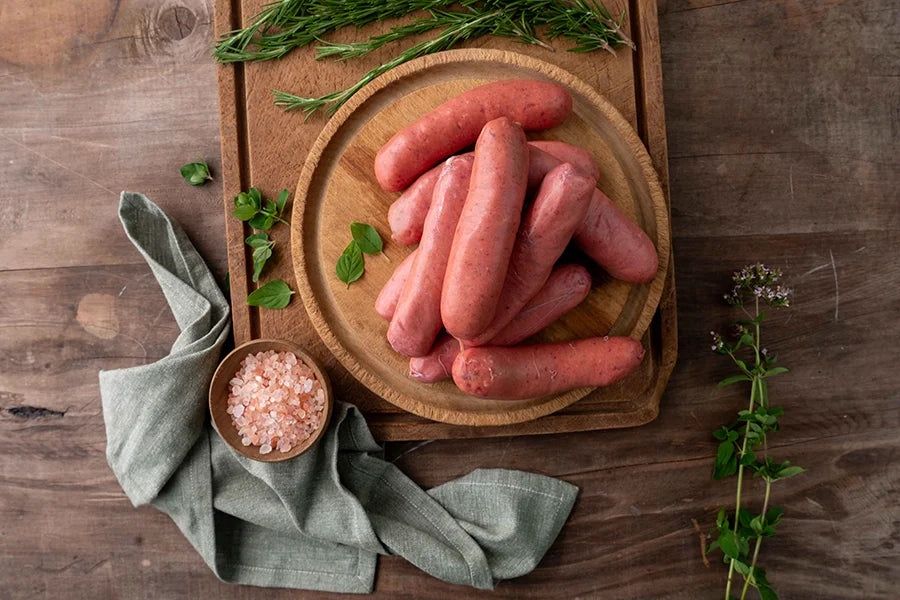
point(485, 271)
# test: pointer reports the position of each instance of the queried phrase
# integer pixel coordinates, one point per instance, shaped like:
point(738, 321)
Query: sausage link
point(417, 318)
point(458, 122)
point(487, 228)
point(549, 222)
point(544, 369)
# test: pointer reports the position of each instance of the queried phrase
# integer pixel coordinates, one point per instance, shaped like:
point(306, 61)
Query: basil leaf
point(244, 212)
point(366, 237)
point(350, 265)
point(776, 371)
point(262, 222)
point(257, 240)
point(260, 256)
point(283, 196)
point(196, 173)
point(255, 198)
point(275, 294)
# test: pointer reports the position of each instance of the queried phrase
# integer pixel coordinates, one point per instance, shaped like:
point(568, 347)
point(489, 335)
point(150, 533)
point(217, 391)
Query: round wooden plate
point(337, 186)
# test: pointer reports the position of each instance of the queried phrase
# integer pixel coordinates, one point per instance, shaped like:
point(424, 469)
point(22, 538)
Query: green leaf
point(262, 221)
point(196, 173)
point(749, 458)
point(721, 433)
point(275, 294)
point(777, 371)
point(756, 524)
point(366, 237)
point(726, 449)
point(258, 240)
point(767, 593)
point(244, 212)
point(260, 256)
point(747, 339)
point(773, 515)
point(741, 364)
point(712, 546)
point(722, 519)
point(283, 196)
point(732, 380)
point(350, 265)
point(741, 567)
point(255, 197)
point(728, 544)
point(789, 472)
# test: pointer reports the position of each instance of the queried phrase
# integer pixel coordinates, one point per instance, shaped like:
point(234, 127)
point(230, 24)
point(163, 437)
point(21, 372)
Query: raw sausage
point(580, 158)
point(616, 243)
point(546, 229)
point(567, 286)
point(543, 369)
point(407, 213)
point(417, 318)
point(390, 293)
point(458, 122)
point(608, 236)
point(487, 229)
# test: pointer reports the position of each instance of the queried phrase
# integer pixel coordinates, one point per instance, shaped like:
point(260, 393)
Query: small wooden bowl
point(218, 398)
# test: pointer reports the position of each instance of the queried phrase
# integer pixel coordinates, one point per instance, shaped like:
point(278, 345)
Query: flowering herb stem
point(749, 433)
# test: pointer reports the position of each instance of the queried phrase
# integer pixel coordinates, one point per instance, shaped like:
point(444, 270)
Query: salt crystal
point(275, 401)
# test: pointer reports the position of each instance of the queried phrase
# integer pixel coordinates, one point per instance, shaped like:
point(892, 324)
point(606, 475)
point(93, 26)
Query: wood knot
point(176, 22)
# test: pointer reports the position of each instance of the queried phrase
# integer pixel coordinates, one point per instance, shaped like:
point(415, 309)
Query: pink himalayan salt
point(275, 401)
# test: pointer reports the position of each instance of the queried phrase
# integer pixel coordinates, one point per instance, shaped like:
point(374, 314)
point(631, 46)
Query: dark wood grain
point(761, 98)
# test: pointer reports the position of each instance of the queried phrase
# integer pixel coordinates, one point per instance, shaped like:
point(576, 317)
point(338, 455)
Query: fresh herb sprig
point(743, 445)
point(290, 24)
point(261, 212)
point(196, 173)
point(350, 265)
point(262, 252)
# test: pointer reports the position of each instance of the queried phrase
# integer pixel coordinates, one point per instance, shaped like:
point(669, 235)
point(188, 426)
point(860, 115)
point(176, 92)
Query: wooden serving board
point(266, 148)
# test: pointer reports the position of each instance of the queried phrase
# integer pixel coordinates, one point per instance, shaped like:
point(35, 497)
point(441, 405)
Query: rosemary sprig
point(287, 24)
point(463, 30)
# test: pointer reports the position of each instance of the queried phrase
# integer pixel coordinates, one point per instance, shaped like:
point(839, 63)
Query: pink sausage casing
point(557, 210)
point(580, 158)
point(417, 317)
point(544, 369)
point(406, 216)
point(487, 228)
point(608, 236)
point(566, 288)
point(616, 243)
point(387, 299)
point(458, 122)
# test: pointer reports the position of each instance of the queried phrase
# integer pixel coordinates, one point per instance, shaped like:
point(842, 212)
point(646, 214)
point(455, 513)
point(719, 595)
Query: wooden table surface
point(783, 119)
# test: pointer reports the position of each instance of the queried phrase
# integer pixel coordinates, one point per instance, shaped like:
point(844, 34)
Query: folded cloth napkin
point(319, 520)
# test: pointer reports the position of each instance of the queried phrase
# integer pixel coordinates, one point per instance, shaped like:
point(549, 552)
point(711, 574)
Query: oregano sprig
point(743, 445)
point(261, 212)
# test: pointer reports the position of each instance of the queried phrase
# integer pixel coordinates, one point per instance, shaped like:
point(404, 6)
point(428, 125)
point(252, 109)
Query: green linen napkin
point(319, 520)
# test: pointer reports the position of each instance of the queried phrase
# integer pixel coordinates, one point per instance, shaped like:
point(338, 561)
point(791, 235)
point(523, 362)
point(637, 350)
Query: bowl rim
point(261, 345)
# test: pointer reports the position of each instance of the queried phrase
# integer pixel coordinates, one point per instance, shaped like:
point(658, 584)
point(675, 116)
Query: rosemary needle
point(288, 24)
